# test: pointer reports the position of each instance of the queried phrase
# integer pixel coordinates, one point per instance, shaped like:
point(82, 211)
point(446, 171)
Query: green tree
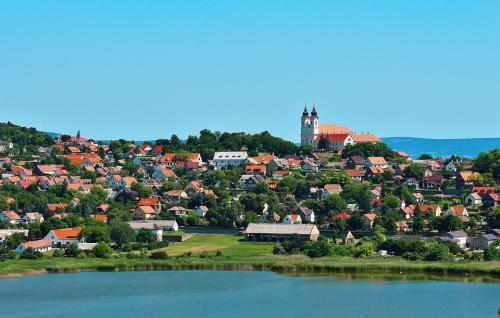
point(364, 249)
point(414, 170)
point(145, 236)
point(94, 234)
point(15, 240)
point(121, 233)
point(72, 250)
point(102, 250)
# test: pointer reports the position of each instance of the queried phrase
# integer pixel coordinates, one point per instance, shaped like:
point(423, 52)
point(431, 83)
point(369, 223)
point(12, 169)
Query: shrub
point(159, 255)
point(438, 252)
point(218, 253)
point(492, 253)
point(102, 250)
point(72, 250)
point(279, 249)
point(317, 249)
point(31, 254)
point(342, 250)
point(58, 253)
point(204, 254)
point(365, 249)
point(5, 254)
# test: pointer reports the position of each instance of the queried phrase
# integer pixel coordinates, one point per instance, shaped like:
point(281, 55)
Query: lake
point(239, 294)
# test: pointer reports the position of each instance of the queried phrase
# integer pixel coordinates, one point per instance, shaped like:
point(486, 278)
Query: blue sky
point(147, 69)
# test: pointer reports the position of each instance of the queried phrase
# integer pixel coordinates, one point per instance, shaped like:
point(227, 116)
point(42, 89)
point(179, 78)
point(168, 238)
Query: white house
point(473, 199)
point(457, 210)
point(157, 227)
point(64, 236)
point(5, 233)
point(201, 211)
point(378, 162)
point(42, 246)
point(32, 217)
point(458, 237)
point(229, 158)
point(292, 219)
point(451, 167)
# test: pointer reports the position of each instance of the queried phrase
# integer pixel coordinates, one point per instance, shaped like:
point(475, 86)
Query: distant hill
point(466, 147)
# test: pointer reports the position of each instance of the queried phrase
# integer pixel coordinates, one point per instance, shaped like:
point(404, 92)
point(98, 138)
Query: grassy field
point(240, 255)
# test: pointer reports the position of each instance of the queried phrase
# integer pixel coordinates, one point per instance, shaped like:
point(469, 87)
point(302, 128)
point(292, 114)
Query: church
point(333, 136)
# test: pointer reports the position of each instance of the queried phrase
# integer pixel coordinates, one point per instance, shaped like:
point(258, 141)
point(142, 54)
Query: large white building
point(229, 158)
point(311, 131)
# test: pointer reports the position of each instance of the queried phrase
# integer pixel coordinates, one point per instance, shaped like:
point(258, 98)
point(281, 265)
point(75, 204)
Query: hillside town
point(69, 195)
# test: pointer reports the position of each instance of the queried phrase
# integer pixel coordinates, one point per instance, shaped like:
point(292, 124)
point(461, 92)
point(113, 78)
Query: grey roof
point(152, 224)
point(303, 229)
point(230, 155)
point(491, 237)
point(456, 234)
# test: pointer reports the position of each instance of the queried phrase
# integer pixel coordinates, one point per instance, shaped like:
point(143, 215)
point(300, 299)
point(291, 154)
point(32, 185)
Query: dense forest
point(22, 136)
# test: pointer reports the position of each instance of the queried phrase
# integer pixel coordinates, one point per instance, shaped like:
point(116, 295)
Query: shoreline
point(387, 269)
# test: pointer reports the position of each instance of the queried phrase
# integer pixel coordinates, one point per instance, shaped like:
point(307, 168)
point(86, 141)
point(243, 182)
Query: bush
point(102, 250)
point(204, 254)
point(58, 253)
point(492, 253)
point(365, 249)
point(72, 250)
point(279, 249)
point(471, 256)
point(341, 250)
point(5, 254)
point(31, 254)
point(438, 252)
point(159, 255)
point(317, 249)
point(218, 253)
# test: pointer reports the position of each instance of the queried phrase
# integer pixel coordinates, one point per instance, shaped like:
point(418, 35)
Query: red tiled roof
point(36, 244)
point(333, 129)
point(68, 233)
point(149, 201)
point(341, 215)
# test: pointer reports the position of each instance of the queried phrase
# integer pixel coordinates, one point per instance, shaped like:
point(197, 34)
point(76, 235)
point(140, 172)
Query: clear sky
point(147, 69)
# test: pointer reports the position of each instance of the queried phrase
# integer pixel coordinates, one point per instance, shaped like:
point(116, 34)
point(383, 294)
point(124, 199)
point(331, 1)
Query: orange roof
point(36, 244)
point(377, 160)
point(469, 175)
point(423, 208)
point(264, 159)
point(149, 201)
point(333, 137)
point(458, 209)
point(333, 129)
point(353, 172)
point(370, 216)
point(100, 217)
point(147, 209)
point(365, 138)
point(12, 215)
point(255, 168)
point(54, 206)
point(294, 217)
point(70, 233)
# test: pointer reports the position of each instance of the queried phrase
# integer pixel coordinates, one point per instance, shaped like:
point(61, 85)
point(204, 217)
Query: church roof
point(365, 138)
point(333, 129)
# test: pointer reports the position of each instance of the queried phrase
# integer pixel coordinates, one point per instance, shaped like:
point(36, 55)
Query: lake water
point(210, 294)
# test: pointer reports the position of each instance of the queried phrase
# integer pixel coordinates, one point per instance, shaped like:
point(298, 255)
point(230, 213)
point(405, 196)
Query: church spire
point(314, 112)
point(305, 112)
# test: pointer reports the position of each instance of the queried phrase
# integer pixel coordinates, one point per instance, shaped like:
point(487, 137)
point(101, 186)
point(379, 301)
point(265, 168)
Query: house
point(264, 159)
point(355, 162)
point(201, 211)
point(492, 199)
point(373, 171)
point(483, 241)
point(292, 219)
point(32, 217)
point(178, 211)
point(483, 191)
point(100, 217)
point(407, 212)
point(341, 215)
point(41, 246)
point(433, 209)
point(458, 237)
point(309, 165)
point(255, 169)
point(369, 219)
point(280, 174)
point(355, 174)
point(399, 170)
point(248, 181)
point(378, 162)
point(145, 212)
point(229, 158)
point(279, 232)
point(267, 218)
point(432, 182)
point(194, 187)
point(157, 227)
point(175, 195)
point(64, 236)
point(10, 217)
point(163, 174)
point(465, 179)
point(278, 164)
point(152, 202)
point(53, 207)
point(330, 189)
point(5, 233)
point(451, 167)
point(473, 199)
point(402, 226)
point(306, 214)
point(418, 197)
point(457, 210)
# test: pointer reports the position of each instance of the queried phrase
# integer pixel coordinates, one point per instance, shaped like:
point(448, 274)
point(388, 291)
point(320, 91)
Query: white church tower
point(309, 126)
